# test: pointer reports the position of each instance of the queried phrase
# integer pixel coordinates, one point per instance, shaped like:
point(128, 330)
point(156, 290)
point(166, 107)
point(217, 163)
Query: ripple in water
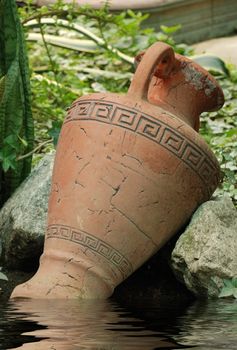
point(106, 325)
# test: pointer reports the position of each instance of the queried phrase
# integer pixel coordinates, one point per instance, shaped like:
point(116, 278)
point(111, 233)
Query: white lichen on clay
point(195, 78)
point(209, 86)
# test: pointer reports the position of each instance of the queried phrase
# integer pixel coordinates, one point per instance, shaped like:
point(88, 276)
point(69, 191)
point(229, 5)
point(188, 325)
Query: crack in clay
point(137, 172)
point(181, 126)
point(108, 184)
point(115, 189)
point(124, 134)
point(157, 82)
point(175, 87)
point(107, 228)
point(83, 168)
point(134, 224)
point(132, 157)
point(50, 290)
point(79, 184)
point(65, 286)
point(55, 187)
point(83, 130)
point(70, 276)
point(118, 170)
point(77, 155)
point(97, 211)
point(127, 167)
point(148, 204)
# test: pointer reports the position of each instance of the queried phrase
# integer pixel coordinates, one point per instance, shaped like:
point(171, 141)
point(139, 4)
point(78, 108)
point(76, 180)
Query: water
point(107, 325)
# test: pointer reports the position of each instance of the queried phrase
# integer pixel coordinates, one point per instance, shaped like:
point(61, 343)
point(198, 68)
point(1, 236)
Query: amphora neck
point(188, 91)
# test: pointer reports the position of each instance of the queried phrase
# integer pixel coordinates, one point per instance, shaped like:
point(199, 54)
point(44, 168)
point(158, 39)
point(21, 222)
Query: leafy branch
point(41, 145)
point(52, 62)
point(82, 30)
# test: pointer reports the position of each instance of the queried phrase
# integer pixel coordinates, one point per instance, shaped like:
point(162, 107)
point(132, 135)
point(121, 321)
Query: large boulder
point(23, 218)
point(206, 253)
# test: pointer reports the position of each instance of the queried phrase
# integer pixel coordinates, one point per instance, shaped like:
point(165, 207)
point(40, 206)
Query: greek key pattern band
point(93, 243)
point(151, 128)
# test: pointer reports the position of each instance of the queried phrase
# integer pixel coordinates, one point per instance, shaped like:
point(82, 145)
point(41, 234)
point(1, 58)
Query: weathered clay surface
point(23, 218)
point(205, 253)
point(186, 81)
point(127, 175)
point(153, 281)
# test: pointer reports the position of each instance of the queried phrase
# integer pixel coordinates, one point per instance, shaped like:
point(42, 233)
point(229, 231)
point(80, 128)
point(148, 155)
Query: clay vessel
point(128, 175)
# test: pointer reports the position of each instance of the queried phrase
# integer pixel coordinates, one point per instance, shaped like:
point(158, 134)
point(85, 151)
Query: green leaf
point(228, 283)
point(211, 63)
point(54, 132)
point(226, 292)
point(8, 164)
point(231, 133)
point(170, 30)
point(23, 141)
point(234, 282)
point(3, 276)
point(12, 141)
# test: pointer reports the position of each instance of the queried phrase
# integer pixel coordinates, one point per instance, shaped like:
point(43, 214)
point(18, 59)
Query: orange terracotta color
point(128, 175)
point(186, 91)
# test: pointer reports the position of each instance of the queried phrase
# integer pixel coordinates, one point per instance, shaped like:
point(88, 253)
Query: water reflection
point(210, 325)
point(106, 325)
point(86, 325)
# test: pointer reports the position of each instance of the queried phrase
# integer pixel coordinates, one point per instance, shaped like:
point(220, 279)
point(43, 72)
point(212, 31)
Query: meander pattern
point(95, 244)
point(152, 128)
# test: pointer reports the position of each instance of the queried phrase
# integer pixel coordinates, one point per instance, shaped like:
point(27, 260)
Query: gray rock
point(23, 218)
point(206, 253)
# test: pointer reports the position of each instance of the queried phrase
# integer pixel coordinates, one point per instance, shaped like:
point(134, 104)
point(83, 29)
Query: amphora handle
point(158, 53)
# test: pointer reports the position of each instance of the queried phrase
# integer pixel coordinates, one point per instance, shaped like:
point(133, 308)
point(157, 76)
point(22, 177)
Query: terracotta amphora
point(128, 175)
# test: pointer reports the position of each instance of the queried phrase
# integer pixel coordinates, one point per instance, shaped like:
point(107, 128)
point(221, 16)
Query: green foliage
point(213, 64)
point(101, 47)
point(220, 131)
point(16, 125)
point(78, 50)
point(2, 275)
point(229, 289)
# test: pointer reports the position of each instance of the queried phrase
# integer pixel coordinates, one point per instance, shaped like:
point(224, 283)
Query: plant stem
point(38, 16)
point(34, 150)
point(82, 30)
point(52, 63)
